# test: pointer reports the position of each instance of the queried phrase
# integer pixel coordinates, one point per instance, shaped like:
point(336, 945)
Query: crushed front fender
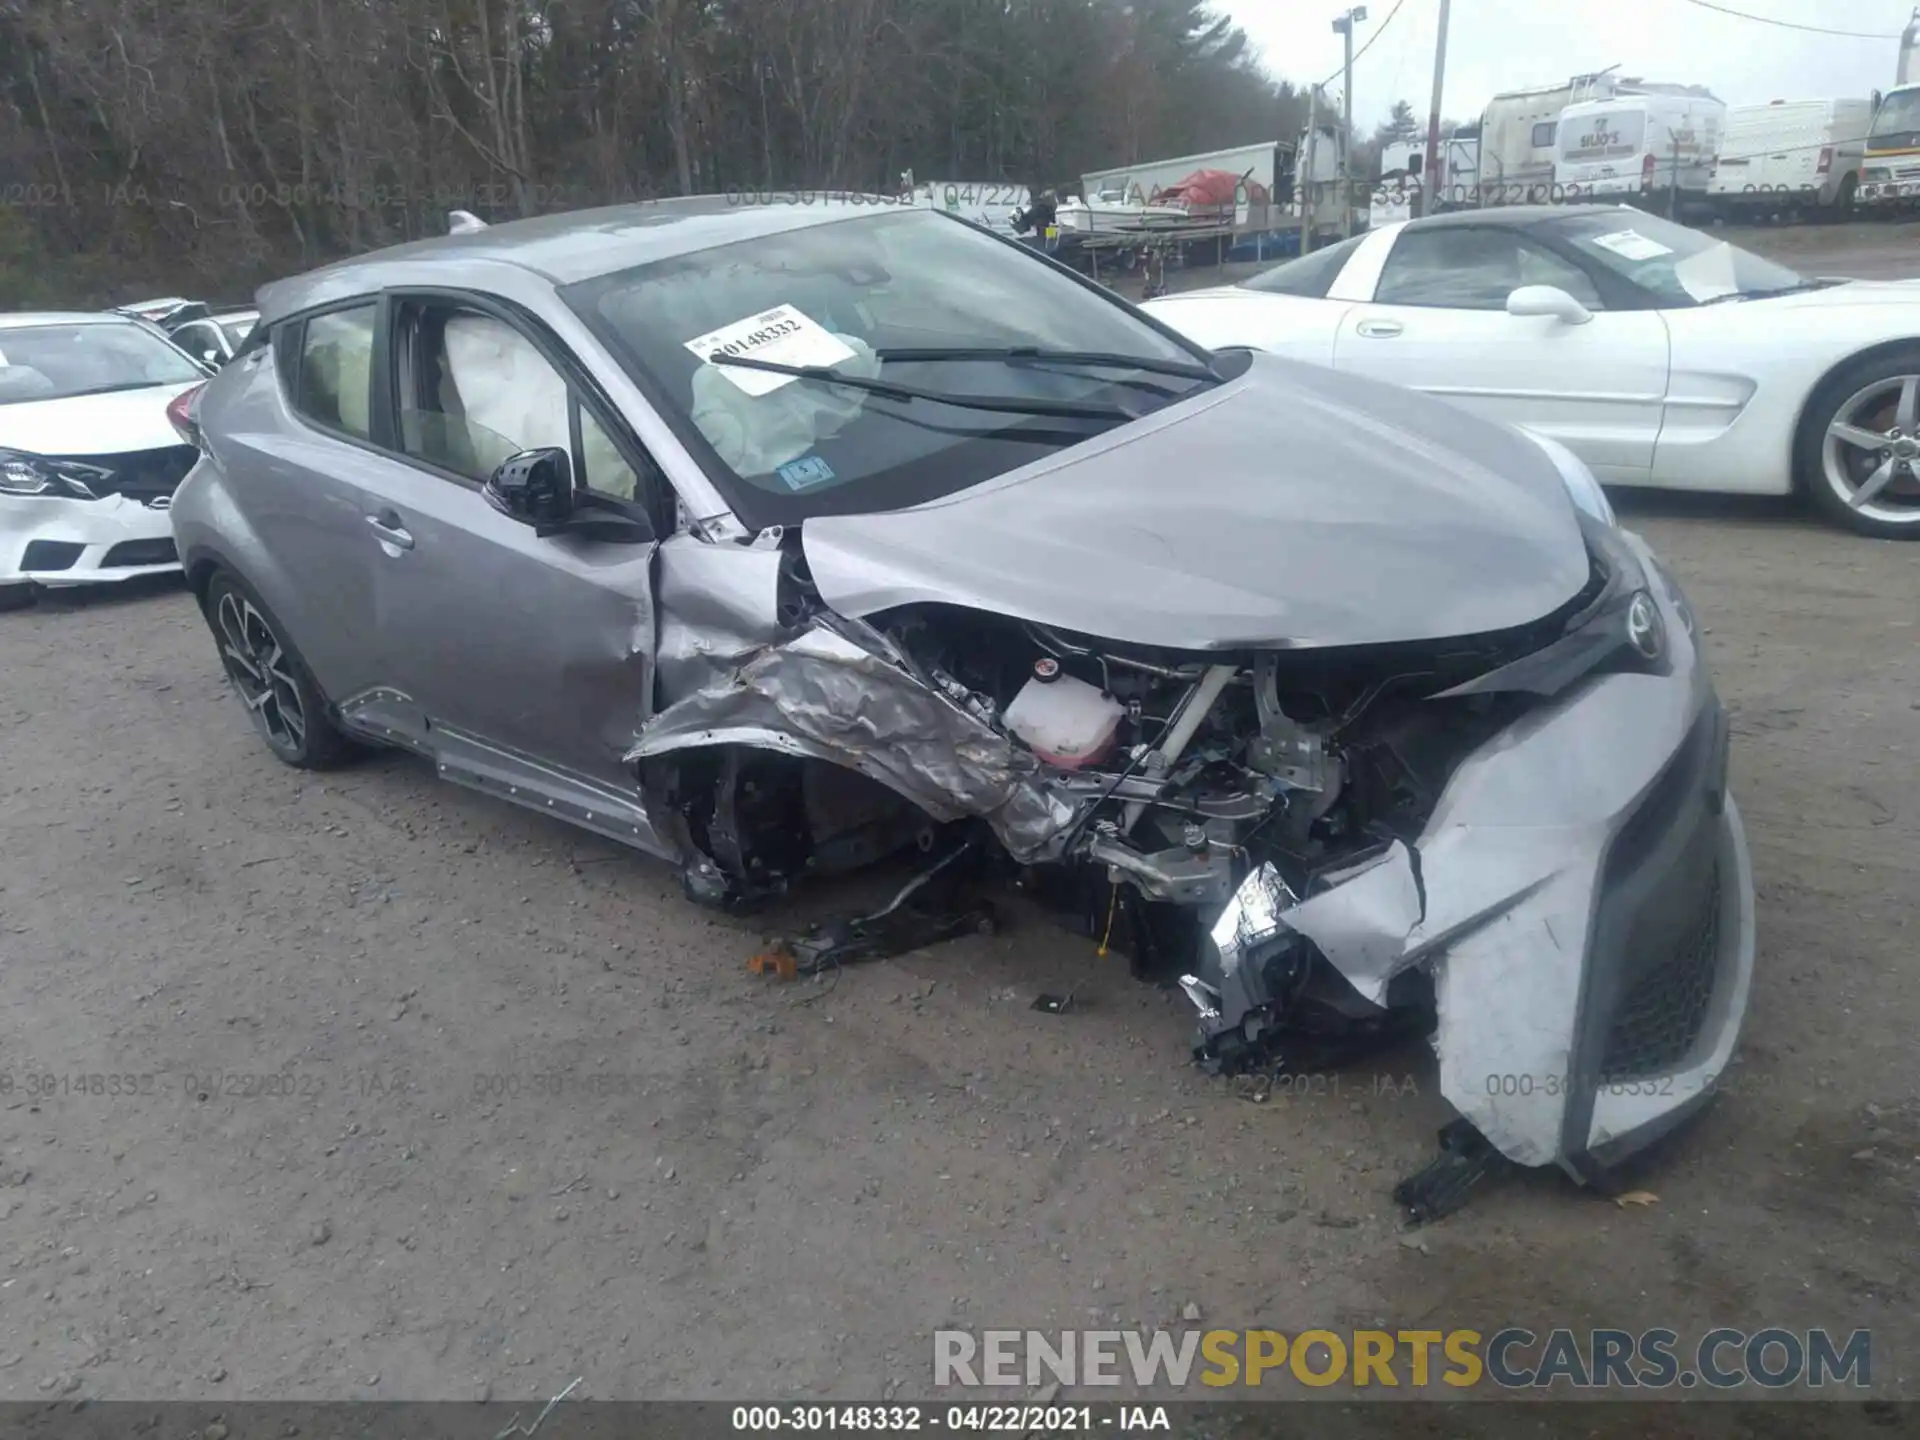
point(844, 695)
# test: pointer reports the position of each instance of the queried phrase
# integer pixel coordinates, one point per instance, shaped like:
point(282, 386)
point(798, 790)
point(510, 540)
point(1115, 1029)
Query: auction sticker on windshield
point(1632, 245)
point(781, 336)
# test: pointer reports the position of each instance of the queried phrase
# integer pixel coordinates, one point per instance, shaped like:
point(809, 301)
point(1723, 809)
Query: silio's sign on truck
point(1654, 150)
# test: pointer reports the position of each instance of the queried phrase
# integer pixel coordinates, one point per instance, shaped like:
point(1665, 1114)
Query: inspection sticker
point(781, 336)
point(1632, 245)
point(805, 473)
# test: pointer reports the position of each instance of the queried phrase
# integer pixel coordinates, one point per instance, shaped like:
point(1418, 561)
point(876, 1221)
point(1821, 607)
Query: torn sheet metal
point(718, 605)
point(1361, 924)
point(827, 697)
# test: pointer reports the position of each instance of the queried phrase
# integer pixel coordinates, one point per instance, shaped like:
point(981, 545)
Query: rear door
point(505, 652)
point(1437, 322)
point(293, 434)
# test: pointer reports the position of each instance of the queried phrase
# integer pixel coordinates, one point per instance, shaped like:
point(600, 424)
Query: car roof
point(1514, 216)
point(19, 319)
point(570, 246)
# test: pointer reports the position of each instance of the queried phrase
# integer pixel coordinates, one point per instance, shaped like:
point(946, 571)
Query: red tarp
point(1212, 190)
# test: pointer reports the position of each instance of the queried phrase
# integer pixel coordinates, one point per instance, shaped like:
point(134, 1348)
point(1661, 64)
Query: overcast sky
point(1495, 45)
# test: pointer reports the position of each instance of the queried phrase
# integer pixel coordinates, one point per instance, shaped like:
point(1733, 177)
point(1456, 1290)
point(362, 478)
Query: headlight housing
point(1620, 629)
point(25, 474)
point(1582, 488)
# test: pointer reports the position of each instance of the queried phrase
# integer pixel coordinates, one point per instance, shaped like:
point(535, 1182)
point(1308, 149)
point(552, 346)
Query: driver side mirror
point(1550, 301)
point(534, 487)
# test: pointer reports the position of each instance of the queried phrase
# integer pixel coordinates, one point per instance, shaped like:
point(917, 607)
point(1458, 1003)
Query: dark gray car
point(774, 539)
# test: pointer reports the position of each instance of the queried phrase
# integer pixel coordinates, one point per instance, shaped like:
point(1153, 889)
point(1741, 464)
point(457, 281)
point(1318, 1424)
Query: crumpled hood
point(1293, 506)
point(109, 424)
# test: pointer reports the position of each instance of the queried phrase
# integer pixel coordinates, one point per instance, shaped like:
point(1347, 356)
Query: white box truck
point(1791, 156)
point(1655, 151)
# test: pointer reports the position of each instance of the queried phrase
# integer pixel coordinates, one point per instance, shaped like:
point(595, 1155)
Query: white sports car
point(1659, 355)
point(90, 449)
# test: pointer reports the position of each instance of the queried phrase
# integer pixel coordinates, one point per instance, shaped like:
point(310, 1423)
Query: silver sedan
point(776, 539)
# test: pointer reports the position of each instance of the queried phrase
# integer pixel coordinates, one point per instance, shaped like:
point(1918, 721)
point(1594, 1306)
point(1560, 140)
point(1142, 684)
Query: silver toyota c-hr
point(772, 539)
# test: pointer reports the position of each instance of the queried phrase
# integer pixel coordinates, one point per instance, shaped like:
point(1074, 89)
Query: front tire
point(270, 678)
point(1858, 452)
point(19, 596)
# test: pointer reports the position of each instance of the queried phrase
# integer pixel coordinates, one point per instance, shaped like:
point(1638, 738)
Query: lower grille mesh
point(1660, 1018)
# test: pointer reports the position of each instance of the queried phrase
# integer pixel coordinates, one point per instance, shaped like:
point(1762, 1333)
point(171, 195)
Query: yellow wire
point(1113, 896)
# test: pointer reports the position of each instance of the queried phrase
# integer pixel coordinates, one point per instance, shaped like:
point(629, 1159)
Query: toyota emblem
point(1643, 627)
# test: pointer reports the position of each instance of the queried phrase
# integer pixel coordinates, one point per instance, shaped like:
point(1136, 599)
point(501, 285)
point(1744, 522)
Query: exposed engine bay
point(1518, 843)
point(1155, 797)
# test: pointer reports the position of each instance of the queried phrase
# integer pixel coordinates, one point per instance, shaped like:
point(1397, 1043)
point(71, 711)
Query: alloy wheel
point(1871, 455)
point(262, 671)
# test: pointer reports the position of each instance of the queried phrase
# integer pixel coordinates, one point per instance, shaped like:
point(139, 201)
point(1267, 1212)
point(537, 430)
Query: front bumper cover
point(1583, 901)
point(85, 538)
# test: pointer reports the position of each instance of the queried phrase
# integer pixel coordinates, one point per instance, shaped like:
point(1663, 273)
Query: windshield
point(57, 362)
point(1897, 121)
point(1312, 275)
point(1679, 266)
point(844, 295)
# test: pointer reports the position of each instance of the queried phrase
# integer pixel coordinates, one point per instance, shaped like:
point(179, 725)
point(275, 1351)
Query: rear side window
point(334, 381)
point(1311, 276)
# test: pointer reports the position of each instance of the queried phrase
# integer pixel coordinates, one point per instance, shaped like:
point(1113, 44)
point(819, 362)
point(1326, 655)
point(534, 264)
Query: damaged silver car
point(776, 539)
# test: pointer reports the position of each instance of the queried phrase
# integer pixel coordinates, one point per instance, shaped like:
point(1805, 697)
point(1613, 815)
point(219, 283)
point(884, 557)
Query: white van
point(1654, 150)
point(1791, 155)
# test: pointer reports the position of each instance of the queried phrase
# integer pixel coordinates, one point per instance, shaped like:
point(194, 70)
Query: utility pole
point(1436, 162)
point(1344, 28)
point(1305, 165)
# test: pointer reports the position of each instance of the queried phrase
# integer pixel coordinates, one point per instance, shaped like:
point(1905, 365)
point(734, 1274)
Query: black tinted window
point(335, 378)
point(1461, 268)
point(1311, 275)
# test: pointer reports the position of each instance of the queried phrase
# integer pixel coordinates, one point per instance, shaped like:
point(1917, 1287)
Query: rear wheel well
point(200, 573)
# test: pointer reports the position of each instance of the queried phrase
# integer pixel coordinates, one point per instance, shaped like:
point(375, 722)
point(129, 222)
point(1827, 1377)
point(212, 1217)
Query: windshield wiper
point(1106, 359)
point(117, 387)
point(1004, 404)
point(1799, 287)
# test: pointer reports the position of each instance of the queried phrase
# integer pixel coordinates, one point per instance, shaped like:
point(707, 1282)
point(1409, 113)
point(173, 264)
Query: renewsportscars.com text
point(1772, 1358)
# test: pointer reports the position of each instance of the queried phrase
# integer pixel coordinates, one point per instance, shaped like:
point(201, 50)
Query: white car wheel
point(1869, 459)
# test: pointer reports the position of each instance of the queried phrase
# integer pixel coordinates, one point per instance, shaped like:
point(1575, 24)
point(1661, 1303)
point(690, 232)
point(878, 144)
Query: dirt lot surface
point(404, 1093)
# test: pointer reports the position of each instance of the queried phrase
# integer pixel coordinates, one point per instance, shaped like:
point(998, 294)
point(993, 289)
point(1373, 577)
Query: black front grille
point(139, 552)
point(140, 474)
point(1660, 1017)
point(50, 555)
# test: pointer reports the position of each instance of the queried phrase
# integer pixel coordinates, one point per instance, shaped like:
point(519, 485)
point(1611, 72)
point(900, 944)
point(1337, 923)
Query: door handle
point(391, 532)
point(1379, 329)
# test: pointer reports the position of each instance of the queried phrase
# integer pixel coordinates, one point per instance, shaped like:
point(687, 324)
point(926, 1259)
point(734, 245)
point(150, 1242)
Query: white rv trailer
point(1520, 133)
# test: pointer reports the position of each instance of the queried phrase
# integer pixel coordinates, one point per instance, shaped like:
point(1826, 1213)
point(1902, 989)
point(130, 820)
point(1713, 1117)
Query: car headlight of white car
point(24, 474)
point(1574, 474)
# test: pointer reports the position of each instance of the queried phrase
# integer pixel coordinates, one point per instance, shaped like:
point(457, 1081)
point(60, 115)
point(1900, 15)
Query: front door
point(516, 660)
point(1438, 323)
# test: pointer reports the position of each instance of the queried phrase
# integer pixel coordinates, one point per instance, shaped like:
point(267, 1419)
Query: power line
point(1792, 24)
point(1366, 47)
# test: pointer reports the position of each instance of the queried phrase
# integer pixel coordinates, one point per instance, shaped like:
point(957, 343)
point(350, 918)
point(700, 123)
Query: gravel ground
point(528, 1117)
